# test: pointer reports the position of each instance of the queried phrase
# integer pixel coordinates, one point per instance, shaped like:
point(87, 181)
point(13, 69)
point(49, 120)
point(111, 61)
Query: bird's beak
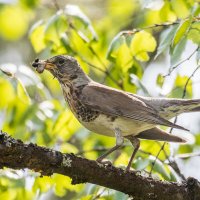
point(41, 65)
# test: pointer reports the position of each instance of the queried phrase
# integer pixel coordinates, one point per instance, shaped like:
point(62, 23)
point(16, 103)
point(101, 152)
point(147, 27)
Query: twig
point(174, 164)
point(171, 69)
point(96, 197)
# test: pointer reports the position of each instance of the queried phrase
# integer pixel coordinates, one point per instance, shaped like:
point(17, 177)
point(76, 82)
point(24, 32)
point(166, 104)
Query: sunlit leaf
point(113, 48)
point(160, 80)
point(75, 11)
point(14, 22)
point(176, 52)
point(42, 183)
point(159, 167)
point(29, 3)
point(142, 43)
point(135, 80)
point(122, 160)
point(194, 33)
point(36, 36)
point(66, 42)
point(55, 27)
point(181, 32)
point(154, 147)
point(68, 148)
point(173, 175)
point(141, 164)
point(63, 184)
point(166, 39)
point(181, 8)
point(22, 93)
point(7, 93)
point(185, 149)
point(179, 87)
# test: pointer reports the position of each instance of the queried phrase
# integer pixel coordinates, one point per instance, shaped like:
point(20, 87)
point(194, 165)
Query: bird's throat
point(81, 111)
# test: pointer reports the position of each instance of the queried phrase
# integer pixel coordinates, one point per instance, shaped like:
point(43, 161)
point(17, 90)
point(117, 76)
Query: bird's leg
point(119, 142)
point(136, 144)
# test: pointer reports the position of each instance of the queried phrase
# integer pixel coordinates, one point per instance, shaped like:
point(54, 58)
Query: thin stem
point(175, 120)
point(171, 69)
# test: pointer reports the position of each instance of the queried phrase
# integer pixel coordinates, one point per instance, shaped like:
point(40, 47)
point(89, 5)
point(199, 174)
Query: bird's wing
point(117, 103)
point(160, 135)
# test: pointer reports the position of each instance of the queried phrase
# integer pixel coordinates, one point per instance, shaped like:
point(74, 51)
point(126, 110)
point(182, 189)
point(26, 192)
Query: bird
point(112, 112)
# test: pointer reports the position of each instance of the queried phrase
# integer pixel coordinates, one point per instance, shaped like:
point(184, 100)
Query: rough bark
point(17, 155)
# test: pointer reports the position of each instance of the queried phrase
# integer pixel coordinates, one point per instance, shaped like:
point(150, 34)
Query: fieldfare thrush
point(113, 112)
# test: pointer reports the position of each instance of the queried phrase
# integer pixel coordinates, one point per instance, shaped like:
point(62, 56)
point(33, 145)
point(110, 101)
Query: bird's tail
point(197, 109)
point(160, 135)
point(183, 106)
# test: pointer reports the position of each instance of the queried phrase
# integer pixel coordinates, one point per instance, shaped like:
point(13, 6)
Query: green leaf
point(14, 21)
point(135, 80)
point(66, 43)
point(36, 36)
point(142, 43)
point(55, 27)
point(140, 163)
point(179, 87)
point(117, 41)
point(160, 80)
point(176, 52)
point(181, 8)
point(29, 3)
point(173, 175)
point(181, 31)
point(185, 149)
point(63, 184)
point(75, 11)
point(42, 183)
point(194, 33)
point(7, 94)
point(159, 167)
point(165, 39)
point(22, 93)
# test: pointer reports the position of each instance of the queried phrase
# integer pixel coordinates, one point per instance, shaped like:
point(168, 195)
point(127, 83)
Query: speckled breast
point(82, 112)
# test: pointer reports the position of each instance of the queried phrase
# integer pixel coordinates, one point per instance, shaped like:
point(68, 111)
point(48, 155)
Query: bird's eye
point(61, 61)
point(36, 60)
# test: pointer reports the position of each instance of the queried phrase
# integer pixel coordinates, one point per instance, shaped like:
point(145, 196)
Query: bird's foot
point(104, 162)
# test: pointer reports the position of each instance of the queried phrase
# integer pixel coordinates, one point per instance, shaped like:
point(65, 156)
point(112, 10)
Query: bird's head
point(63, 67)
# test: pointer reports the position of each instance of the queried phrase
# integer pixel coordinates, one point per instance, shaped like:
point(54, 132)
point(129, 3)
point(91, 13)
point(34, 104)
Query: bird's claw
point(105, 162)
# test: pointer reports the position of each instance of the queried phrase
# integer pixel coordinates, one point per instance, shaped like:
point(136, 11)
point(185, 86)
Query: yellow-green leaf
point(7, 94)
point(14, 22)
point(181, 32)
point(114, 46)
point(22, 93)
point(37, 37)
point(142, 43)
point(194, 33)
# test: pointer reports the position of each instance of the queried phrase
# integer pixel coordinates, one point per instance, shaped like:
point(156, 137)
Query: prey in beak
point(41, 65)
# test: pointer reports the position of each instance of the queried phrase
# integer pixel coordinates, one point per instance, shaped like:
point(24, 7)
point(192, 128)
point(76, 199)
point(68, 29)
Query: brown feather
point(160, 135)
point(119, 103)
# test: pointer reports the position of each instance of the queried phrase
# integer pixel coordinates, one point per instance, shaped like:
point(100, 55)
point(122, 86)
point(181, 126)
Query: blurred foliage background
point(146, 47)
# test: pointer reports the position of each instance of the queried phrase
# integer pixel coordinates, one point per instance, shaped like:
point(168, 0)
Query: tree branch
point(17, 155)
